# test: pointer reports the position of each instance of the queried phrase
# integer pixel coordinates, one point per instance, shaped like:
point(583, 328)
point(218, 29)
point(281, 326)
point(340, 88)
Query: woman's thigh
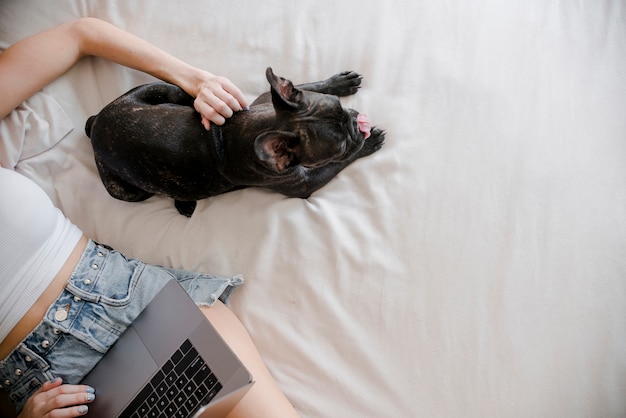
point(265, 398)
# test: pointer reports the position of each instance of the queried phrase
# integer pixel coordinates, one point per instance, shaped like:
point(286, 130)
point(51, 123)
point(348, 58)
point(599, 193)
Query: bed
point(474, 267)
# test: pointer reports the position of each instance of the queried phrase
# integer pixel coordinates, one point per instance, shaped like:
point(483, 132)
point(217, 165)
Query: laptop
point(171, 363)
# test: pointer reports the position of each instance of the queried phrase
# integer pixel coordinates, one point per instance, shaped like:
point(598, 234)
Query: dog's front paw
point(344, 84)
point(373, 143)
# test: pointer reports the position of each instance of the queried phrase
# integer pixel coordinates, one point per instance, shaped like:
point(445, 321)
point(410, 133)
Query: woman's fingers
point(70, 401)
point(71, 412)
point(55, 400)
point(213, 109)
point(217, 100)
point(232, 95)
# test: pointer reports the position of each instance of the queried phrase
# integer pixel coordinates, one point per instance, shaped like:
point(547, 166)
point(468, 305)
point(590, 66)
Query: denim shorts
point(105, 293)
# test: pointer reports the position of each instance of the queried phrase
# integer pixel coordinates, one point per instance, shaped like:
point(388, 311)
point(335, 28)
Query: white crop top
point(35, 241)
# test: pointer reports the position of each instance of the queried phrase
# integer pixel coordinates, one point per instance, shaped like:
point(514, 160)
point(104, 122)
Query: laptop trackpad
point(130, 355)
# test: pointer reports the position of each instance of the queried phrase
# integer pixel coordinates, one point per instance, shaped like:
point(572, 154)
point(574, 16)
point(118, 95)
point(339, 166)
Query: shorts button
point(94, 267)
point(86, 281)
point(56, 331)
point(77, 299)
point(60, 315)
point(18, 372)
point(28, 359)
point(45, 343)
point(100, 254)
point(6, 383)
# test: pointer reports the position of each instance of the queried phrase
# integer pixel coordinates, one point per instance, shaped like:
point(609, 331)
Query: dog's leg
point(342, 84)
point(119, 188)
point(185, 207)
point(158, 93)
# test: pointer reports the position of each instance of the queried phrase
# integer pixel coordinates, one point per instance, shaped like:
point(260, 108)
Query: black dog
point(292, 140)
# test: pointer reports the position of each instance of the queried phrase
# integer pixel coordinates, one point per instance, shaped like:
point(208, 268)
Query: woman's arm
point(32, 63)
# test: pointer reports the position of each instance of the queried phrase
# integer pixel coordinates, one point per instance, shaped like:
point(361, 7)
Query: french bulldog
point(293, 140)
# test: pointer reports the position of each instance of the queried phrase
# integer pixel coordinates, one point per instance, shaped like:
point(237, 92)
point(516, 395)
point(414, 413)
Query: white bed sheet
point(474, 267)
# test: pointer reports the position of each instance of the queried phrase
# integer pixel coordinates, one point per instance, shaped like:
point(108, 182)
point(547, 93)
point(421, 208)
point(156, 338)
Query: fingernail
point(55, 380)
point(90, 389)
point(82, 409)
point(90, 397)
point(246, 108)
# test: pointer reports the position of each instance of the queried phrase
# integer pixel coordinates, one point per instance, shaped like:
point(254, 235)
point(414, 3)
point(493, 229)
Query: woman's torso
point(39, 249)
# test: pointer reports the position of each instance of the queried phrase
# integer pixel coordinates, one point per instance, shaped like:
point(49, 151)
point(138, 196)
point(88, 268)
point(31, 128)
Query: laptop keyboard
point(183, 385)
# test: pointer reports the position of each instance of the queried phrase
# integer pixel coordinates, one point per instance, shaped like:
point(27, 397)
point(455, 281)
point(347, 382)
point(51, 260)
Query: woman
point(45, 258)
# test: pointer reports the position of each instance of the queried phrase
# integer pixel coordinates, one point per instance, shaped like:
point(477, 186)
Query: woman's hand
point(55, 400)
point(217, 98)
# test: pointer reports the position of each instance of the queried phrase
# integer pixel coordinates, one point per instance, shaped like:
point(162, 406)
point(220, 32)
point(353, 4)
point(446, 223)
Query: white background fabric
point(474, 267)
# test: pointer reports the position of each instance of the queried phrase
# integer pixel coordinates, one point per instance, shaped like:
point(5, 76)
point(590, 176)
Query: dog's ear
point(277, 149)
point(284, 95)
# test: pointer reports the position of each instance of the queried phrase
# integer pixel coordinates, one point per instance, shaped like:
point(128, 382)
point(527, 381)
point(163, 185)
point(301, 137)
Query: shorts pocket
point(112, 283)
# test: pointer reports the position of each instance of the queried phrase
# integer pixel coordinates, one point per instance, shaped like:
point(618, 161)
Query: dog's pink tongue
point(364, 125)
